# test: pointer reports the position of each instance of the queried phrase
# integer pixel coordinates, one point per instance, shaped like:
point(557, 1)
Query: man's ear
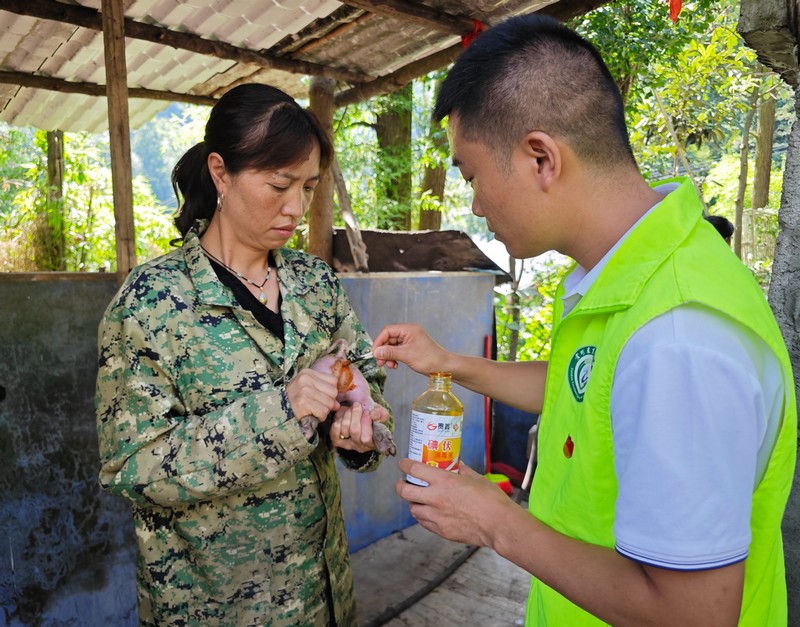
point(544, 155)
point(216, 166)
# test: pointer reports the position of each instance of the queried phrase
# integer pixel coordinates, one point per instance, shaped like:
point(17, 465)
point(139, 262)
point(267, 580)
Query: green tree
point(87, 206)
point(157, 145)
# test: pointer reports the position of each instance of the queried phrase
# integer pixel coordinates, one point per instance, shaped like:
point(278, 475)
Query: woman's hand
point(312, 393)
point(409, 344)
point(352, 429)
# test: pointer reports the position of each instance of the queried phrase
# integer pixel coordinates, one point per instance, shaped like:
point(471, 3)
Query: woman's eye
point(280, 189)
point(309, 189)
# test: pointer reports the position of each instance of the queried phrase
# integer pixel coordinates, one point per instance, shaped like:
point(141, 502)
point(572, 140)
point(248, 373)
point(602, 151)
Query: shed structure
point(88, 65)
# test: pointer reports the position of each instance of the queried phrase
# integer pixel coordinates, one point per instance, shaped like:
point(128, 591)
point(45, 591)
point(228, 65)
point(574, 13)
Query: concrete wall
point(66, 548)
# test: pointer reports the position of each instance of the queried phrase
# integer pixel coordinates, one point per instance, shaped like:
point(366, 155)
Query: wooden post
point(113, 14)
point(320, 215)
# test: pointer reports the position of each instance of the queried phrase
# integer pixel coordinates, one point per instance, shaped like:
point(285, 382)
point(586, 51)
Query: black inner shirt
point(269, 319)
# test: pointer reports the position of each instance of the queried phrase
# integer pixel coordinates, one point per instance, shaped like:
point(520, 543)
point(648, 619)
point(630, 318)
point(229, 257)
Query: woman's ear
point(545, 157)
point(216, 166)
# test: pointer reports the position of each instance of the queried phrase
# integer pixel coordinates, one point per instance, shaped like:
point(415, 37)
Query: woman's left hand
point(352, 429)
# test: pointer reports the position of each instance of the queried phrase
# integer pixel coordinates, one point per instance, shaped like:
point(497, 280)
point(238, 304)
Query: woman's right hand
point(411, 345)
point(312, 393)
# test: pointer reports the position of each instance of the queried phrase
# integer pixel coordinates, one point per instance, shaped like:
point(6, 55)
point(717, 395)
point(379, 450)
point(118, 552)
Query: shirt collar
point(578, 282)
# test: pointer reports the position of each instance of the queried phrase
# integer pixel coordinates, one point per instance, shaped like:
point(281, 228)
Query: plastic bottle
point(436, 421)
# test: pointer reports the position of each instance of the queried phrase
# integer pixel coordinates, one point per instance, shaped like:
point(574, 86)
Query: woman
point(204, 376)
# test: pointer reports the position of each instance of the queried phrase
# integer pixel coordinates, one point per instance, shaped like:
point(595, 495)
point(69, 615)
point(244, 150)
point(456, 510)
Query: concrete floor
point(413, 578)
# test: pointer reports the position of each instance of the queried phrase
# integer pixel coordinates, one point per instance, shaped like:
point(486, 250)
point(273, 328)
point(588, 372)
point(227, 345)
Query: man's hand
point(409, 344)
point(463, 507)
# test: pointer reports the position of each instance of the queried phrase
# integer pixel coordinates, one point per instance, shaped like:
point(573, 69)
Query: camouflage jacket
point(238, 516)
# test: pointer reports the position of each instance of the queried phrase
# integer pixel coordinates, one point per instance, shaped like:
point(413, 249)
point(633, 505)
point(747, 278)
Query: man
point(668, 420)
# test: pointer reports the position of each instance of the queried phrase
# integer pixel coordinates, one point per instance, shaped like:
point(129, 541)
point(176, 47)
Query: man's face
point(502, 193)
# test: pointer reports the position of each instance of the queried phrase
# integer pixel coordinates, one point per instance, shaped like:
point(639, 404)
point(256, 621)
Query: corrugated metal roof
point(325, 32)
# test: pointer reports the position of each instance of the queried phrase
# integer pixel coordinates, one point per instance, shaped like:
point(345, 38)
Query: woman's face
point(263, 207)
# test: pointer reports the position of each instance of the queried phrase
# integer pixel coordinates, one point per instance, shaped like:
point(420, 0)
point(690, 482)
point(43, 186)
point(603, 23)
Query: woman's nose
point(295, 205)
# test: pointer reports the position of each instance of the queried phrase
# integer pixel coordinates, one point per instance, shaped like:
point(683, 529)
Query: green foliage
point(635, 35)
point(157, 145)
point(760, 226)
point(356, 149)
point(87, 207)
point(535, 310)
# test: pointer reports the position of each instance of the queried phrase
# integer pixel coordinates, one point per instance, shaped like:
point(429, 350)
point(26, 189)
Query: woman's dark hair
point(531, 72)
point(252, 126)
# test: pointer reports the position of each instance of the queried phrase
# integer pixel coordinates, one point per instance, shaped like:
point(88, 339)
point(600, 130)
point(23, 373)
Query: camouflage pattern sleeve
point(359, 342)
point(154, 449)
point(189, 404)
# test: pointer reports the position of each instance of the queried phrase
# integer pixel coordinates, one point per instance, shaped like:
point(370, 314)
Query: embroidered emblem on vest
point(579, 369)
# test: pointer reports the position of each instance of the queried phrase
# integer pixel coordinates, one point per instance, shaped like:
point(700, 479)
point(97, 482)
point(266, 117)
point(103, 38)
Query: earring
point(220, 200)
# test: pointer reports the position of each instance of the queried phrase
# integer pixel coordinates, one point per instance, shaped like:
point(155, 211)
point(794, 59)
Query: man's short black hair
point(533, 73)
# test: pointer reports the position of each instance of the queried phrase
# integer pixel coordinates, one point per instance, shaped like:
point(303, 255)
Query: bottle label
point(435, 440)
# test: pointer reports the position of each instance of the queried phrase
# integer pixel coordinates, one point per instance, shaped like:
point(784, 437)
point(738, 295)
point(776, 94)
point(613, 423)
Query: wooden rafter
point(416, 12)
point(94, 89)
point(89, 18)
point(563, 10)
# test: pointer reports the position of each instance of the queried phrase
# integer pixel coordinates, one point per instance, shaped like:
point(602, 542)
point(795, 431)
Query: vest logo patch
point(579, 369)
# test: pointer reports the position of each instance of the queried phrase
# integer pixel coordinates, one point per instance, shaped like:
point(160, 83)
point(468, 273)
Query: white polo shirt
point(695, 407)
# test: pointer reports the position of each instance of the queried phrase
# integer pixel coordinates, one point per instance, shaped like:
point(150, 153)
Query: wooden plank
point(486, 591)
point(464, 587)
point(394, 569)
point(113, 14)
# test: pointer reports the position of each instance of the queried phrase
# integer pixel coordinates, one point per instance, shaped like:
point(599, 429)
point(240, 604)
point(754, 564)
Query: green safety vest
point(663, 263)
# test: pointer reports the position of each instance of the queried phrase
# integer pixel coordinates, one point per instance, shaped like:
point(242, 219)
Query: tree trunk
point(784, 298)
point(433, 179)
point(393, 128)
point(49, 243)
point(513, 340)
point(764, 141)
point(744, 151)
point(320, 213)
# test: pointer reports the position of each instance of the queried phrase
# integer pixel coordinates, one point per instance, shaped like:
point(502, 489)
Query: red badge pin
point(569, 446)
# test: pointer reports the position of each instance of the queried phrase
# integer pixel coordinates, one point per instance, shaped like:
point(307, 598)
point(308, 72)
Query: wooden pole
point(357, 247)
point(320, 215)
point(113, 15)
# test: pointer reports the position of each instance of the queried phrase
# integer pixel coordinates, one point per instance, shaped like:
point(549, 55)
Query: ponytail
point(194, 189)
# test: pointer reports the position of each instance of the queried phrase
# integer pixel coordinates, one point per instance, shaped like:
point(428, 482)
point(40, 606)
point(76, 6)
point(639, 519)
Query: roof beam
point(93, 89)
point(400, 78)
point(90, 18)
point(416, 12)
point(563, 10)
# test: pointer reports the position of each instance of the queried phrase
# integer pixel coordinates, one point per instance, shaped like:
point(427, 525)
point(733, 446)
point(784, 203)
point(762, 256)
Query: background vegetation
point(697, 103)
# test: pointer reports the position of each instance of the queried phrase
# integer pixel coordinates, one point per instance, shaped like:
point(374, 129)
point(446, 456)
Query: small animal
point(353, 388)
